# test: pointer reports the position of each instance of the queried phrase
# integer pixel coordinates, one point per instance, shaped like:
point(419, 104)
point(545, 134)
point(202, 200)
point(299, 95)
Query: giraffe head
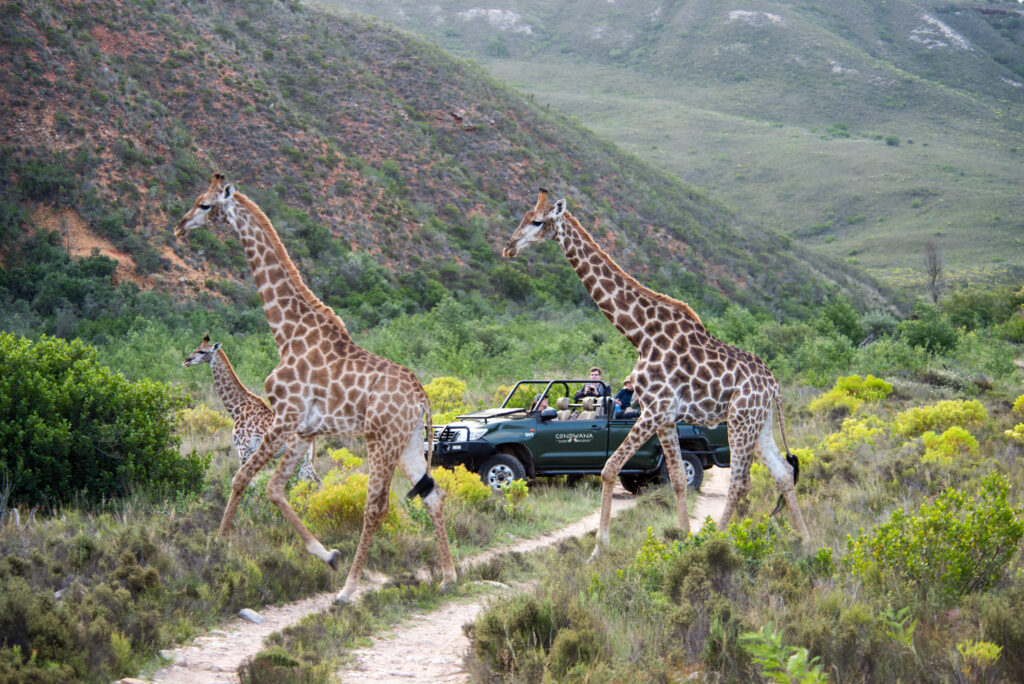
point(540, 223)
point(204, 353)
point(209, 208)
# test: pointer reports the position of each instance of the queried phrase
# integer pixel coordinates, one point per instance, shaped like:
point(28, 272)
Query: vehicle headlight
point(477, 432)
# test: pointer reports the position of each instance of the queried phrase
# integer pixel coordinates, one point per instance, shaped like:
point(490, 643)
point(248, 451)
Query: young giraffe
point(682, 373)
point(324, 384)
point(251, 415)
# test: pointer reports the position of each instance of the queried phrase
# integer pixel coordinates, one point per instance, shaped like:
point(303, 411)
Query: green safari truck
point(513, 442)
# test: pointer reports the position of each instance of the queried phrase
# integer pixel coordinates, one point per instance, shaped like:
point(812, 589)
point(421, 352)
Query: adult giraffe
point(252, 417)
point(324, 384)
point(682, 373)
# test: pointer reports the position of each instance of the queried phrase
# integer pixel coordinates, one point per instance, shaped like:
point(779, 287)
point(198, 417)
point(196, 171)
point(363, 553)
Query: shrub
point(462, 485)
point(929, 329)
point(849, 393)
point(781, 663)
point(70, 426)
point(952, 444)
point(940, 416)
point(447, 397)
point(1018, 404)
point(868, 388)
point(852, 433)
point(954, 546)
point(337, 505)
point(203, 421)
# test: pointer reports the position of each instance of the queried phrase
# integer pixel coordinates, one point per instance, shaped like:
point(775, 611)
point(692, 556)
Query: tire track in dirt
point(427, 647)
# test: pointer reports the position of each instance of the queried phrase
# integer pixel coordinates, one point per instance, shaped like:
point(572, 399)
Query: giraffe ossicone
point(252, 416)
point(682, 373)
point(324, 384)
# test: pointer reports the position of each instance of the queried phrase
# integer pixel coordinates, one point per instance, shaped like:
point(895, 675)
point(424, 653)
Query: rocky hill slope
point(394, 171)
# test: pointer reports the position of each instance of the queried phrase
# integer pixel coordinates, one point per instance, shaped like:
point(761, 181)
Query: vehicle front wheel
point(692, 466)
point(501, 468)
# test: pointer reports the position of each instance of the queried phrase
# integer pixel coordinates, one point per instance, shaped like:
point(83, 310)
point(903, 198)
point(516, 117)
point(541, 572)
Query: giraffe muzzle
point(510, 250)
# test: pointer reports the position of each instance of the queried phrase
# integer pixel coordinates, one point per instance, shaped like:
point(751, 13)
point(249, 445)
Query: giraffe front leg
point(244, 475)
point(275, 492)
point(677, 476)
point(641, 432)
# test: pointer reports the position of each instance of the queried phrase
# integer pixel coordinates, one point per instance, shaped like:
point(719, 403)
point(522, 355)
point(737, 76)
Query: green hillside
point(394, 171)
point(862, 130)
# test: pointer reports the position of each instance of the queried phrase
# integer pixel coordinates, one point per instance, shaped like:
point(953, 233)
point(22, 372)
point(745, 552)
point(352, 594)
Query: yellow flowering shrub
point(1018, 405)
point(955, 442)
point(853, 432)
point(447, 397)
point(940, 416)
point(337, 505)
point(461, 485)
point(203, 421)
point(850, 392)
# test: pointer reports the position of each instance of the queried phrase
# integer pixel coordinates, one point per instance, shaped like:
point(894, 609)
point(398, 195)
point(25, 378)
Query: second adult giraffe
point(682, 372)
point(324, 384)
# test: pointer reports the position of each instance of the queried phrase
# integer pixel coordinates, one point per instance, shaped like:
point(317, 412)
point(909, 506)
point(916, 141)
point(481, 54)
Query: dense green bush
point(958, 544)
point(70, 427)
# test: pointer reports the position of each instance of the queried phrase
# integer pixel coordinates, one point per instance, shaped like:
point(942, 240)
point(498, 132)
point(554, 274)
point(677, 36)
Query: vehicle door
point(646, 457)
point(570, 444)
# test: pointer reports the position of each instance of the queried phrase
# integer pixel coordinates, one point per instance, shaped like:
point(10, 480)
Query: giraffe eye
point(538, 223)
point(204, 207)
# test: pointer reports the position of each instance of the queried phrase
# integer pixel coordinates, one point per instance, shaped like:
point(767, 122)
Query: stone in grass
point(251, 615)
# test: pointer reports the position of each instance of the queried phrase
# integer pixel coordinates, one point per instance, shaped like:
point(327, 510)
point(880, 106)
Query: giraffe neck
point(617, 294)
point(286, 298)
point(233, 394)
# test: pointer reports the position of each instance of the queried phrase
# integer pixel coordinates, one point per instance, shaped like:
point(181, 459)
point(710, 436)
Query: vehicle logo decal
point(573, 437)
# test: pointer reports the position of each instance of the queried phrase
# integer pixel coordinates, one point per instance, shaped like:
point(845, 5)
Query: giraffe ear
point(559, 208)
point(216, 346)
point(229, 190)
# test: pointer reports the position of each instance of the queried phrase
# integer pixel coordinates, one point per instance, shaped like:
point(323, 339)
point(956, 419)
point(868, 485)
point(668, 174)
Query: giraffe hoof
point(342, 599)
point(596, 552)
point(335, 560)
point(447, 585)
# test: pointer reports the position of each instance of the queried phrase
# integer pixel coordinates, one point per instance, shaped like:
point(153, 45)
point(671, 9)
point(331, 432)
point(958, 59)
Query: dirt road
point(427, 647)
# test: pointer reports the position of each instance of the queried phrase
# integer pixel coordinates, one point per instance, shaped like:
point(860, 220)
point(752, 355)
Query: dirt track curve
point(426, 647)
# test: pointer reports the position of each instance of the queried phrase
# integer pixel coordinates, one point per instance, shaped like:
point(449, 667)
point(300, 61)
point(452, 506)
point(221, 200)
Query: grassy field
point(855, 198)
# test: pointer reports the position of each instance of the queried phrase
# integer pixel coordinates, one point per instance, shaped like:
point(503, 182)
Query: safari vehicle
point(512, 442)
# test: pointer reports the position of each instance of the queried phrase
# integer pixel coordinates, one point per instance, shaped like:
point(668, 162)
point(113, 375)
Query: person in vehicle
point(538, 404)
point(594, 388)
point(623, 400)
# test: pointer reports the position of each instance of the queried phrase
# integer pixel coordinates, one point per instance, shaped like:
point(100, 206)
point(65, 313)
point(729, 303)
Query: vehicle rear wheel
point(692, 466)
point(501, 468)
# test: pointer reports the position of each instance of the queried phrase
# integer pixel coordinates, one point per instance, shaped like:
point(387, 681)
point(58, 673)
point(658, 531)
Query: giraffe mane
point(291, 269)
point(663, 298)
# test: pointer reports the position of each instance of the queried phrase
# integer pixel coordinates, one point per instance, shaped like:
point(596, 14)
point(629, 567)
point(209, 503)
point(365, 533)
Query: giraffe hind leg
point(271, 443)
point(415, 467)
point(377, 492)
point(676, 474)
point(784, 472)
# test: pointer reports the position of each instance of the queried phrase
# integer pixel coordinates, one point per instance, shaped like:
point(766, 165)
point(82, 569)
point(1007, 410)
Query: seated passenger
point(538, 404)
point(623, 398)
point(594, 388)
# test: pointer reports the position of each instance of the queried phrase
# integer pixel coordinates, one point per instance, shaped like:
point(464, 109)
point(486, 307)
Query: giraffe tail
point(426, 483)
point(791, 458)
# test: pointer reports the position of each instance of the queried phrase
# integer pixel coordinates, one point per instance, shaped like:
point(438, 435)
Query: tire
point(694, 469)
point(634, 483)
point(692, 466)
point(501, 468)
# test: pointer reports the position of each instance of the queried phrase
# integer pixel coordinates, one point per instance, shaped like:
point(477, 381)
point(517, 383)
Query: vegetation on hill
point(393, 171)
point(861, 130)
